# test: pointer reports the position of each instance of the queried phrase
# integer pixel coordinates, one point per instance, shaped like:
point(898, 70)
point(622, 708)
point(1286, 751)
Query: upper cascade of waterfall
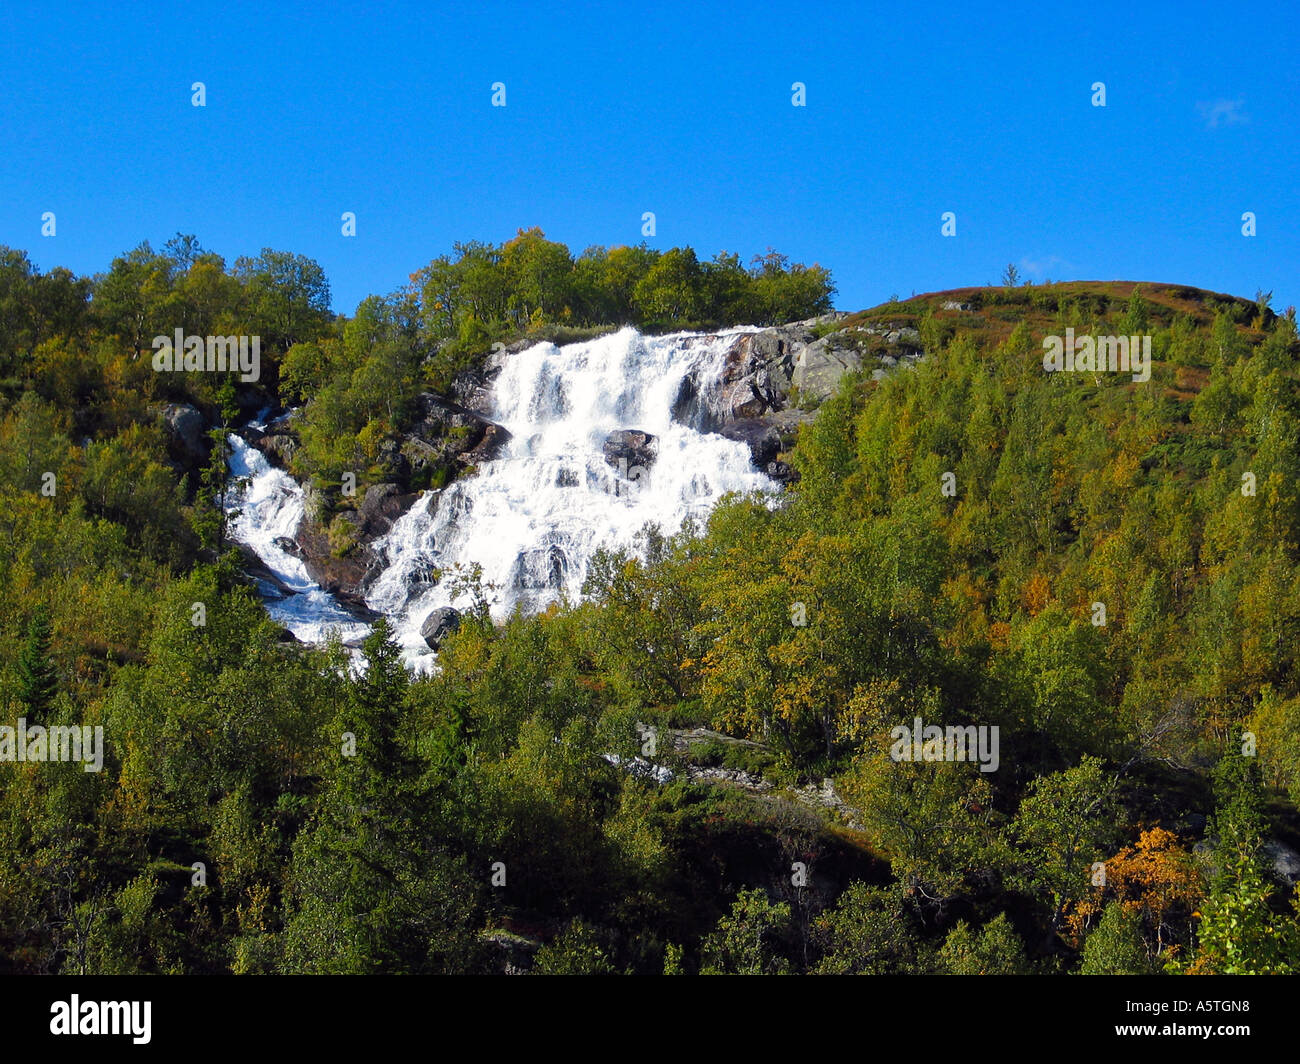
point(559, 490)
point(533, 518)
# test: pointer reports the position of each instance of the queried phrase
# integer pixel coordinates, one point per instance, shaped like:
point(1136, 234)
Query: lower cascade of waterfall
point(559, 490)
point(266, 506)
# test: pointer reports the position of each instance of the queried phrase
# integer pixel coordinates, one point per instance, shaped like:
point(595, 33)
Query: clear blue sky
point(681, 109)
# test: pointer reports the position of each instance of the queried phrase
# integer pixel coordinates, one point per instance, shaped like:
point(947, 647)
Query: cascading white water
point(533, 518)
point(268, 505)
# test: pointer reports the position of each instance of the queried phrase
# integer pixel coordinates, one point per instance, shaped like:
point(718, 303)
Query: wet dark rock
point(540, 569)
point(289, 546)
point(440, 624)
point(782, 472)
point(761, 437)
point(625, 448)
point(494, 440)
point(382, 506)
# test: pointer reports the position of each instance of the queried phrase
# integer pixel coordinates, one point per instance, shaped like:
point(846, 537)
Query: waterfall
point(267, 505)
point(533, 517)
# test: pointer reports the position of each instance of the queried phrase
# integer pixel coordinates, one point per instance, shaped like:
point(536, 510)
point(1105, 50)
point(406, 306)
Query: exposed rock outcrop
point(473, 387)
point(187, 441)
point(440, 624)
point(821, 365)
point(382, 506)
point(769, 371)
point(289, 546)
point(763, 438)
point(447, 432)
point(278, 439)
point(767, 438)
point(631, 447)
point(1282, 860)
point(344, 574)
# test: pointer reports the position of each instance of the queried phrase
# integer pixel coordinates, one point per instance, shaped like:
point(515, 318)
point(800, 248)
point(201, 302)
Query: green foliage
point(349, 820)
point(995, 950)
point(38, 677)
point(750, 940)
point(1240, 934)
point(874, 931)
point(488, 292)
point(575, 951)
point(1064, 824)
point(1114, 947)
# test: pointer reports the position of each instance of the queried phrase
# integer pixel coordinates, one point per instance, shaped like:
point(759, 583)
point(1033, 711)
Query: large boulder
point(782, 472)
point(757, 374)
point(186, 430)
point(494, 440)
point(344, 573)
point(279, 449)
point(821, 364)
point(437, 417)
point(1282, 860)
point(625, 448)
point(277, 439)
point(440, 624)
point(758, 434)
point(288, 545)
point(759, 371)
point(766, 437)
point(1277, 858)
point(260, 575)
point(382, 506)
point(448, 431)
point(540, 568)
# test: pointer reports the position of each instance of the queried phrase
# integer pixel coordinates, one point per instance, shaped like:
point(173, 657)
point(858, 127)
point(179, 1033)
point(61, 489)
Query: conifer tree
point(37, 676)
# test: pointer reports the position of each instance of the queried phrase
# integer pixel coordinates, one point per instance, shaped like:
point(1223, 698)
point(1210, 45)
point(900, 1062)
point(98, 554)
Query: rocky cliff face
point(774, 380)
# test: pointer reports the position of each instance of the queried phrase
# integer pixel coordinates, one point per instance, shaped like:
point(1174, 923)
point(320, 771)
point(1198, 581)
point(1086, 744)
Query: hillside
point(708, 763)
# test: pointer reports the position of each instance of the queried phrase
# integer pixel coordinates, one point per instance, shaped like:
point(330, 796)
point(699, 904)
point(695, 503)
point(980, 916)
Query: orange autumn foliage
point(1155, 879)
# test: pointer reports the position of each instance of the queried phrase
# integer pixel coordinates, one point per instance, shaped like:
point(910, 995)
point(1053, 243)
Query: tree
point(995, 950)
point(1155, 881)
point(873, 931)
point(371, 887)
point(1011, 276)
point(783, 292)
point(935, 821)
point(670, 293)
point(750, 940)
point(17, 327)
point(575, 951)
point(135, 300)
point(184, 250)
point(729, 297)
point(1115, 947)
point(38, 678)
point(289, 297)
point(1063, 826)
point(209, 517)
point(539, 274)
point(1239, 933)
